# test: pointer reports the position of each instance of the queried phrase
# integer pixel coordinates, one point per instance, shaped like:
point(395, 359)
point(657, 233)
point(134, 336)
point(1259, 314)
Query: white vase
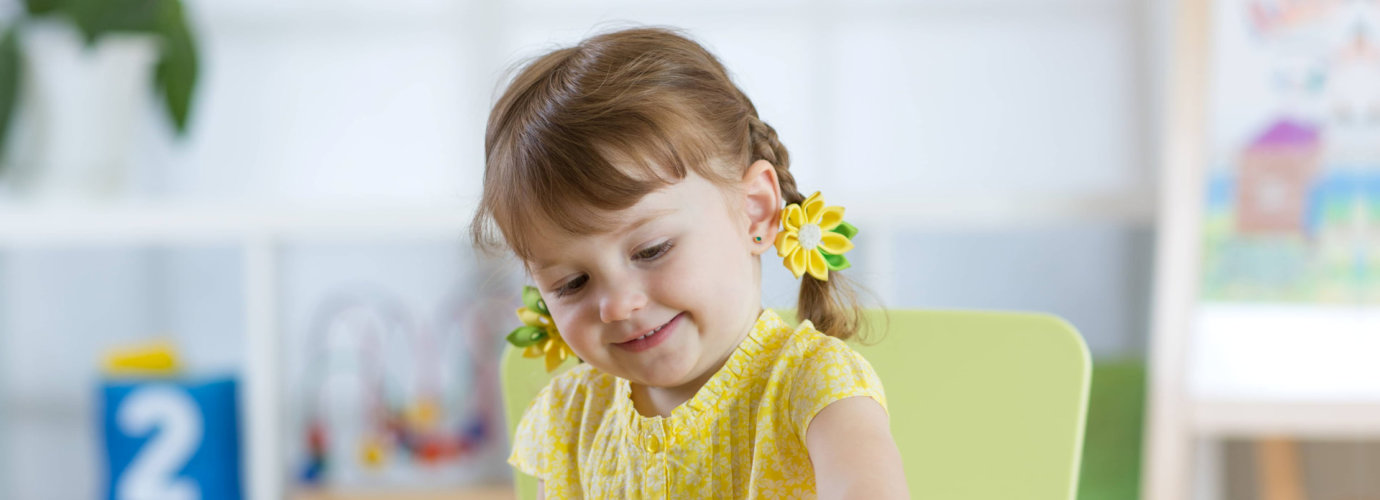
point(83, 112)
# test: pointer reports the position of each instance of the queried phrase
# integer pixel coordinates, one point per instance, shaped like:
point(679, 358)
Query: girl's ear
point(762, 203)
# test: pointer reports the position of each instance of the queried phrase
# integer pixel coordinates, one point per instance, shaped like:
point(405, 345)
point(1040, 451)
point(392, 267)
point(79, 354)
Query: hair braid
point(832, 306)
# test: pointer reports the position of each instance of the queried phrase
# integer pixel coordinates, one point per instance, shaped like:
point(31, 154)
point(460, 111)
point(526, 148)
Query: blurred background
point(280, 190)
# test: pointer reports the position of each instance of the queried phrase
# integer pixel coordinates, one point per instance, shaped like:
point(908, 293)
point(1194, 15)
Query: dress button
point(653, 444)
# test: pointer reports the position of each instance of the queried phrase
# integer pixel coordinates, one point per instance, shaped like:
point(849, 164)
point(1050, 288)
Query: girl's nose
point(620, 302)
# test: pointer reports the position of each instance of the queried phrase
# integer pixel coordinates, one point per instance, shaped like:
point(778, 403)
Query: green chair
point(984, 405)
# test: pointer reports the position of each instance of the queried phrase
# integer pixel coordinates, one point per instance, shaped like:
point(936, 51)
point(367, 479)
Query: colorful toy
point(387, 397)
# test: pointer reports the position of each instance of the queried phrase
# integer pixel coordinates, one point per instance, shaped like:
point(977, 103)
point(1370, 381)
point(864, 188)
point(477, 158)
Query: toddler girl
point(639, 188)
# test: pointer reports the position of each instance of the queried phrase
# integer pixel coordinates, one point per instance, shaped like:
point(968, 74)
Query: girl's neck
point(660, 401)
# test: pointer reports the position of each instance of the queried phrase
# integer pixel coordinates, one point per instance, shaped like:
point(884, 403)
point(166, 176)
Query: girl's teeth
point(652, 333)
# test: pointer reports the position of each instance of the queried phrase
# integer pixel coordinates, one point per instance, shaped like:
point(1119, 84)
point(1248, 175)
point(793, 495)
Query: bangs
point(584, 132)
point(568, 180)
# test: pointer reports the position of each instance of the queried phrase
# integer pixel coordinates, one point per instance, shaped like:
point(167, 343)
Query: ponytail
point(832, 306)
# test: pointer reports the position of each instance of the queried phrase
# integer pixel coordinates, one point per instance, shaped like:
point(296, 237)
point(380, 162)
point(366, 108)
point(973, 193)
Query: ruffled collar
point(767, 334)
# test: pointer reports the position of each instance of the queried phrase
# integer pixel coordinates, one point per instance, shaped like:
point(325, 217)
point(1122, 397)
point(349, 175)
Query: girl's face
point(666, 296)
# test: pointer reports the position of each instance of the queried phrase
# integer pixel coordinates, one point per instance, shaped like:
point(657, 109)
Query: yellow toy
point(151, 359)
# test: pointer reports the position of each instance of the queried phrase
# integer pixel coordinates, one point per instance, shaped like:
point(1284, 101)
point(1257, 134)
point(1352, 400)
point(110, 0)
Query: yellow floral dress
point(741, 436)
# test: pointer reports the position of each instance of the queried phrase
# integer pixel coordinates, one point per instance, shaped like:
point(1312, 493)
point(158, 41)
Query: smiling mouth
point(649, 334)
point(652, 338)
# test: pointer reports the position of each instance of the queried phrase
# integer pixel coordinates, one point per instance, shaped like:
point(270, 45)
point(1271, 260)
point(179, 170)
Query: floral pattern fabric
point(741, 436)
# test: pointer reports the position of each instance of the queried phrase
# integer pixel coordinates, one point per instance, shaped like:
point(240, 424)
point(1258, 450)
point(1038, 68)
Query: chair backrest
point(983, 405)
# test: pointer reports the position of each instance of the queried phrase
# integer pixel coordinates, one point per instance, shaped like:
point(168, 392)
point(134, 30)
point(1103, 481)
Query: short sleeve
point(544, 441)
point(829, 372)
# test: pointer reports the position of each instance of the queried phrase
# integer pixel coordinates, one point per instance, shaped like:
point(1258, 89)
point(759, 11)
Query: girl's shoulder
point(544, 441)
point(808, 343)
point(818, 370)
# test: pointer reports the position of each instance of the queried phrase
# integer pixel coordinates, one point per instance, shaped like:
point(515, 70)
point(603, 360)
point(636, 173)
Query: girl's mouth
point(653, 338)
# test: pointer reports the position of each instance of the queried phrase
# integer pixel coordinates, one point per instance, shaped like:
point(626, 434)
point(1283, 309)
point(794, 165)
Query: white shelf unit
point(180, 223)
point(1321, 420)
point(167, 223)
point(260, 229)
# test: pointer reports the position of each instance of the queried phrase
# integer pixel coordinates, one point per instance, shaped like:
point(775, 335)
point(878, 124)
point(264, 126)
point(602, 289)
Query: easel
point(1183, 427)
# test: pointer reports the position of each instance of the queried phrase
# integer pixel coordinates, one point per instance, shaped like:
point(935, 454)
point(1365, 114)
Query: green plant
point(175, 74)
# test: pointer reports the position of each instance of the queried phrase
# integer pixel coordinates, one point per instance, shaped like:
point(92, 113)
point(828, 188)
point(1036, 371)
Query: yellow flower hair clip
point(814, 237)
point(538, 335)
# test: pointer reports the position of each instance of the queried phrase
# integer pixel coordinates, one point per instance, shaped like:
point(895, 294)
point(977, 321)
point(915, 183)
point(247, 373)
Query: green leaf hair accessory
point(538, 335)
point(814, 237)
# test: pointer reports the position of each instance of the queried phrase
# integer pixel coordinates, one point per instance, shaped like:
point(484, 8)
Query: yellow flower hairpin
point(538, 335)
point(814, 237)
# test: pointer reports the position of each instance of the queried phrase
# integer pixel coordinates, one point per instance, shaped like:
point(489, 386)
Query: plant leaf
point(86, 15)
point(138, 16)
point(177, 68)
point(95, 18)
point(10, 66)
point(41, 7)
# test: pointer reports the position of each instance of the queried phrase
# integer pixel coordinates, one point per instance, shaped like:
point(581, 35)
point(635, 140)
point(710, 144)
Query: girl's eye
point(572, 286)
point(653, 253)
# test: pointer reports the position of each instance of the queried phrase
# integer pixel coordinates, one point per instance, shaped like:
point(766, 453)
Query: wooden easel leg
point(1277, 466)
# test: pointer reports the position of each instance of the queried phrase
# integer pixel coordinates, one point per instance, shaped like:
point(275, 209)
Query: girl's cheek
point(571, 319)
point(692, 263)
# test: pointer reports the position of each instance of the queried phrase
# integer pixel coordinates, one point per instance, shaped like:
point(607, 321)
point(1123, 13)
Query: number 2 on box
point(178, 423)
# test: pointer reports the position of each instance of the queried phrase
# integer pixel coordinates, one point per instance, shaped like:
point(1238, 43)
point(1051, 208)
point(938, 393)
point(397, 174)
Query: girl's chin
point(661, 371)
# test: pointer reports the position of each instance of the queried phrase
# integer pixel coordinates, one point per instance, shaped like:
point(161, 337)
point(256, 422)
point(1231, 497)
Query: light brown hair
point(587, 130)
